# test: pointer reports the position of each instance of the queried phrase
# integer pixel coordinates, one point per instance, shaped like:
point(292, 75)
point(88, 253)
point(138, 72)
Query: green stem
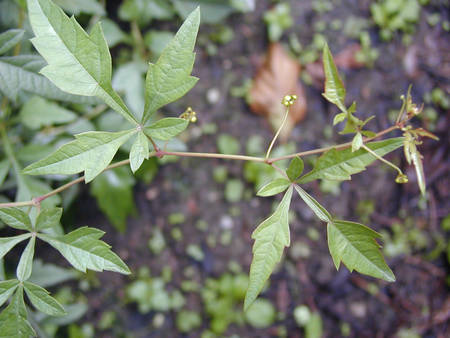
point(211, 155)
point(277, 134)
point(160, 153)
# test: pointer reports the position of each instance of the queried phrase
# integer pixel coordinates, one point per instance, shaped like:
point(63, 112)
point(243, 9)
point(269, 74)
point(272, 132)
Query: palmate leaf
point(170, 77)
point(90, 152)
point(352, 243)
point(41, 299)
point(13, 319)
point(18, 73)
point(78, 63)
point(83, 249)
point(271, 236)
point(355, 245)
point(339, 165)
point(166, 129)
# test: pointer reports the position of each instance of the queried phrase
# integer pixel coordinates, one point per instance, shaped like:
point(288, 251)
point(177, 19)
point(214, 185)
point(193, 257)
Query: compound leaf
point(274, 187)
point(9, 39)
point(334, 88)
point(7, 243)
point(7, 288)
point(355, 245)
point(271, 236)
point(315, 206)
point(48, 218)
point(170, 77)
point(78, 63)
point(339, 165)
point(25, 265)
point(90, 152)
point(295, 168)
point(16, 218)
point(13, 319)
point(83, 249)
point(167, 128)
point(139, 151)
point(42, 300)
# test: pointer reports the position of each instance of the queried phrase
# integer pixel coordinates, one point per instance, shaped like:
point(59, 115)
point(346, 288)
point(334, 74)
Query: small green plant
point(395, 15)
point(79, 69)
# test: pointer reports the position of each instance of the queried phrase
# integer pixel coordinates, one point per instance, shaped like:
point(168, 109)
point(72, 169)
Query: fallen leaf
point(277, 77)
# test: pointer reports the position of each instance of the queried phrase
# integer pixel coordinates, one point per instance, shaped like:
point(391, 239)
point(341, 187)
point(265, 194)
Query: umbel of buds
point(189, 115)
point(289, 100)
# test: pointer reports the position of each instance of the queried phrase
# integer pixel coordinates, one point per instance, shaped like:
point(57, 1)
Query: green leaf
point(18, 73)
point(139, 151)
point(170, 77)
point(25, 265)
point(16, 218)
point(295, 168)
point(274, 187)
point(271, 236)
point(334, 88)
point(9, 39)
point(13, 319)
point(78, 63)
point(357, 142)
point(355, 245)
point(7, 243)
point(83, 249)
point(4, 169)
point(42, 300)
point(7, 288)
point(90, 152)
point(114, 193)
point(339, 165)
point(167, 128)
point(315, 206)
point(38, 112)
point(48, 218)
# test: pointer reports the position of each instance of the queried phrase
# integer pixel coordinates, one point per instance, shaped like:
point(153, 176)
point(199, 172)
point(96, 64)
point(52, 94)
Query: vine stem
point(160, 153)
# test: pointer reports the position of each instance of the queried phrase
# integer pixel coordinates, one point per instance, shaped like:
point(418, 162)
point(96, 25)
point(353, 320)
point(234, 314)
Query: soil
point(418, 299)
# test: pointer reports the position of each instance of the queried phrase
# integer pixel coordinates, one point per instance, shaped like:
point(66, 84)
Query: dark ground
point(418, 299)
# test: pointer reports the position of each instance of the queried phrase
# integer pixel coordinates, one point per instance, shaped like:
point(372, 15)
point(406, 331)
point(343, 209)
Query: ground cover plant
point(78, 66)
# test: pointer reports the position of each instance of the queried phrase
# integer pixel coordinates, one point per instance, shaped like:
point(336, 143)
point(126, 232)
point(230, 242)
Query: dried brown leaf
point(277, 77)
